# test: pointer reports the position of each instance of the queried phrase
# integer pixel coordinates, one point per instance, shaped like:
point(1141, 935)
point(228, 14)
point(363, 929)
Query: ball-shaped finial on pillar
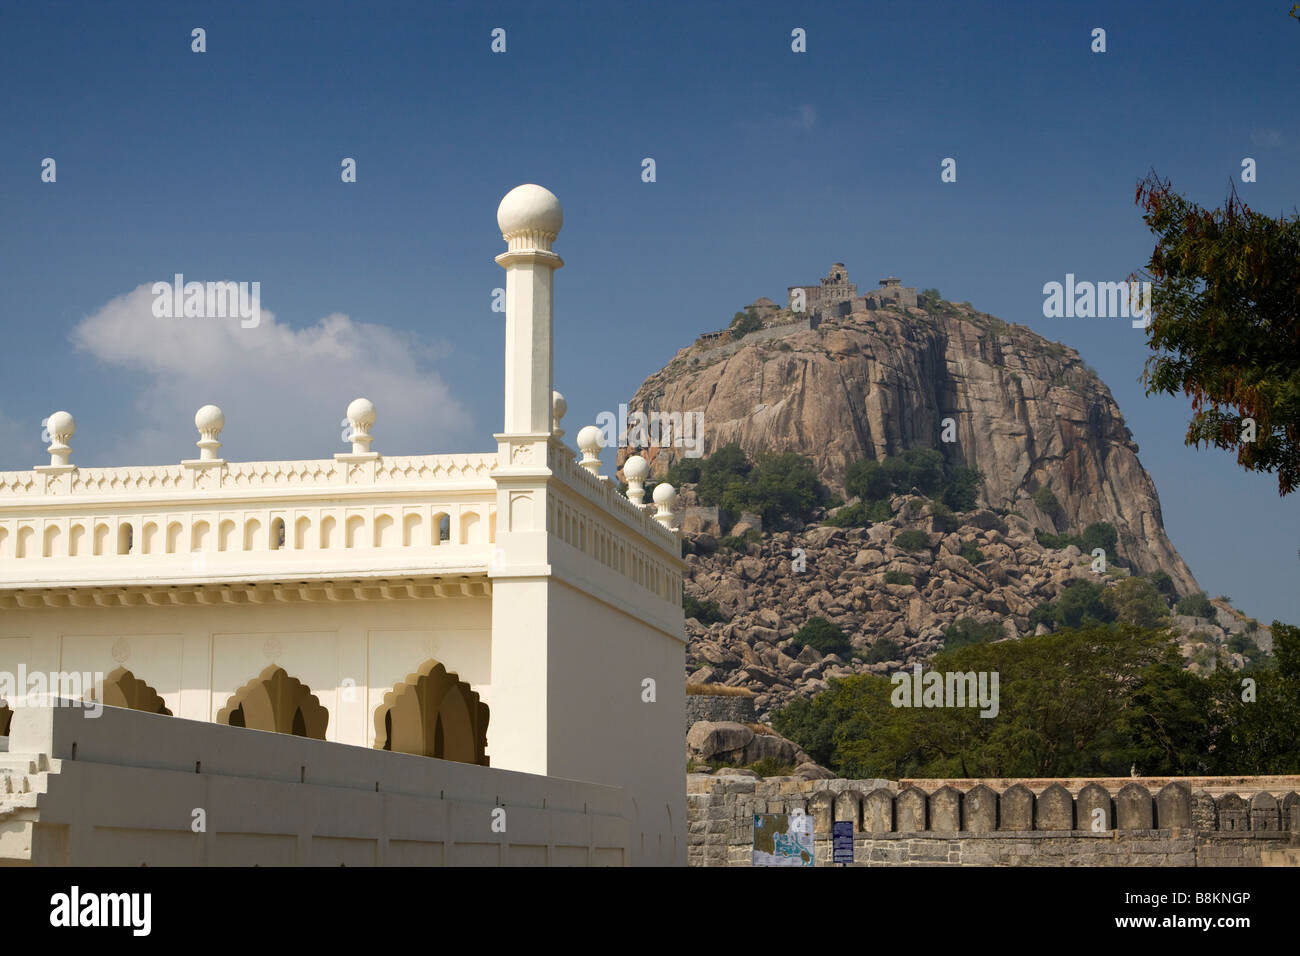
point(558, 407)
point(589, 443)
point(636, 470)
point(209, 420)
point(60, 428)
point(361, 416)
point(665, 498)
point(530, 217)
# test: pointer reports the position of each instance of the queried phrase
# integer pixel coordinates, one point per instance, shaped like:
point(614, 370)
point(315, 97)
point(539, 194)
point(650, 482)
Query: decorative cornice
point(275, 592)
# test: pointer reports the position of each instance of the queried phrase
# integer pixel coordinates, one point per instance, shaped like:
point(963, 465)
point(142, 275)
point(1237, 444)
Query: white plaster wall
point(586, 720)
point(601, 729)
point(130, 794)
point(197, 657)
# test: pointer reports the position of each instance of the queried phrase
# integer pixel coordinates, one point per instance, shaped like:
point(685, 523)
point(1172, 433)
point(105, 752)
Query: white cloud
point(283, 390)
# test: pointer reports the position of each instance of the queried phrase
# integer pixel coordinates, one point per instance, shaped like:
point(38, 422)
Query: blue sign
point(842, 841)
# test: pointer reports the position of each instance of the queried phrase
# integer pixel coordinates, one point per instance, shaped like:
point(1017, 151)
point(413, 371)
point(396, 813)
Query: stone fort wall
point(1206, 821)
point(716, 707)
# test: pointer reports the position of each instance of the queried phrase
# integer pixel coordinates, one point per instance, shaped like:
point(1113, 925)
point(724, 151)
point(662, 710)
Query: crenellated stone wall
point(1202, 821)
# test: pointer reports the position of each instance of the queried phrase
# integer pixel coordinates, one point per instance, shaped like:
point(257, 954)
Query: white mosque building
point(507, 626)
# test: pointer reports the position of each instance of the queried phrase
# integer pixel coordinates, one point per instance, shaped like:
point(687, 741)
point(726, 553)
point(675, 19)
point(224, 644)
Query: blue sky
point(770, 165)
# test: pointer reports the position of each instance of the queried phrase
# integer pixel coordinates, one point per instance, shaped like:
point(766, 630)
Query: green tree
point(1080, 604)
point(929, 299)
point(1100, 534)
point(1224, 329)
point(684, 471)
point(721, 472)
point(1258, 736)
point(787, 488)
point(743, 323)
point(1087, 702)
point(967, 630)
point(961, 489)
point(1195, 605)
point(780, 487)
point(1163, 583)
point(1047, 503)
point(1136, 601)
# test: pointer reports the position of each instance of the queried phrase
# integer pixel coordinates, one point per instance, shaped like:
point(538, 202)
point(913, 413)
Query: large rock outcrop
point(1026, 411)
point(893, 605)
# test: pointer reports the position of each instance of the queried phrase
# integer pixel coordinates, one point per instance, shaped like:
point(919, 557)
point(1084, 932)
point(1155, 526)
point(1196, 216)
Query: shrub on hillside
point(1243, 644)
point(972, 554)
point(884, 649)
point(1047, 503)
point(1195, 605)
point(912, 540)
point(967, 630)
point(706, 612)
point(944, 519)
point(1163, 584)
point(898, 577)
point(857, 515)
point(961, 488)
point(1099, 534)
point(742, 323)
point(821, 635)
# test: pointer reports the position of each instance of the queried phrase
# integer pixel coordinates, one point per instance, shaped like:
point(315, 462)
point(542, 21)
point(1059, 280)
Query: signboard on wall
point(783, 839)
point(842, 841)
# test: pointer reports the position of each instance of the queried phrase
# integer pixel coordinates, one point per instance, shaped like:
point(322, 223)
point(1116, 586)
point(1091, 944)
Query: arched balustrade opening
point(433, 713)
point(276, 702)
point(124, 689)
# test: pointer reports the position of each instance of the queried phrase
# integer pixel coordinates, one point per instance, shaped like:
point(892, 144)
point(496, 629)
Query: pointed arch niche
point(433, 713)
point(276, 702)
point(124, 689)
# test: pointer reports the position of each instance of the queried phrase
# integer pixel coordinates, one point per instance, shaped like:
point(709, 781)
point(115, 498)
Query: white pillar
point(530, 218)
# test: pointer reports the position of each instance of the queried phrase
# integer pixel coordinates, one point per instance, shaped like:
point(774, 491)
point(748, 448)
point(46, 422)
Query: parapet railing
point(68, 525)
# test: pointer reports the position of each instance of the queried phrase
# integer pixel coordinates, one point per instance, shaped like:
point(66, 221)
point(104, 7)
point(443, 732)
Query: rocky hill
point(848, 577)
point(1025, 411)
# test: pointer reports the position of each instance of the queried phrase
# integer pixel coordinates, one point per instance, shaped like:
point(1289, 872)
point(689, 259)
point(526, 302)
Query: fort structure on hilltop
point(837, 296)
point(808, 305)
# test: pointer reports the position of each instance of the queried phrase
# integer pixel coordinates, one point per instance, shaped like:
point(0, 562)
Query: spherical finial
point(361, 415)
point(636, 468)
point(558, 407)
point(362, 412)
point(61, 426)
point(589, 443)
point(209, 418)
point(531, 212)
point(589, 440)
point(665, 496)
